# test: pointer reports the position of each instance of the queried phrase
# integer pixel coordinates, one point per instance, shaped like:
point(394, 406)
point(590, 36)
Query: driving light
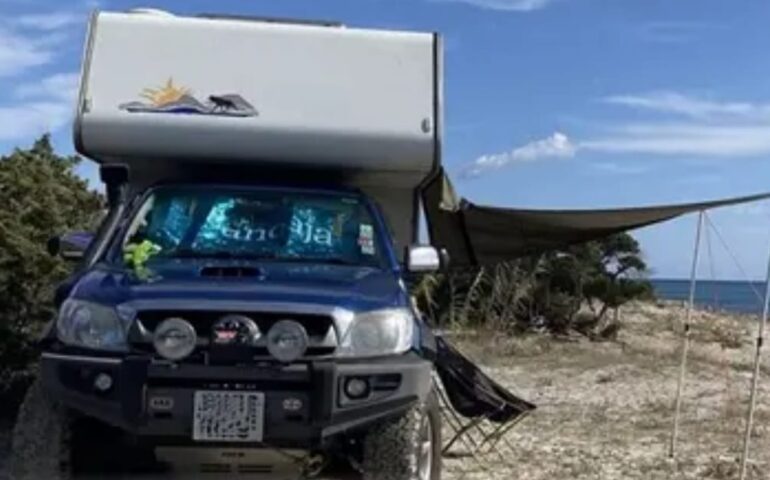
point(174, 338)
point(91, 325)
point(287, 341)
point(377, 333)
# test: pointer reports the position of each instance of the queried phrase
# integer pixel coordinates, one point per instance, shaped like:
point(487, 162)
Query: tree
point(40, 196)
point(556, 297)
point(616, 275)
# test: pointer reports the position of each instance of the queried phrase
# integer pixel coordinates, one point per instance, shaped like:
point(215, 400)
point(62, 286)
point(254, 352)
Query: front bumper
point(305, 406)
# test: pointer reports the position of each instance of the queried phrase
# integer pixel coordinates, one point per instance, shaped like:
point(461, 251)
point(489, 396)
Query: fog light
point(287, 341)
point(103, 382)
point(356, 388)
point(174, 338)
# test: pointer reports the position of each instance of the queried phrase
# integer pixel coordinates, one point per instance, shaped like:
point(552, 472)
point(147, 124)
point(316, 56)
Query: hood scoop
point(231, 272)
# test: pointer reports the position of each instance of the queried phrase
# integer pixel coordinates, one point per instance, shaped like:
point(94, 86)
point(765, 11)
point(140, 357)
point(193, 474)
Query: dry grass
point(606, 409)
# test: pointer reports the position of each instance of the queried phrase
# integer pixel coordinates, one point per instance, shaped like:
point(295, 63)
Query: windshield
point(281, 225)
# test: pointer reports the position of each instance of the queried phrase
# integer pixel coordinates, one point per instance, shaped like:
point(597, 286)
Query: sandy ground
point(605, 409)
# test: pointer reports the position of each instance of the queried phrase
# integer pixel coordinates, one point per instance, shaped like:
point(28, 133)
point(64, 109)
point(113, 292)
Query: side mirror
point(70, 246)
point(422, 259)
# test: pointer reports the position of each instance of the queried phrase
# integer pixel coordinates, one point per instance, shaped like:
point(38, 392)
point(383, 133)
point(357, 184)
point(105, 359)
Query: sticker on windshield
point(366, 239)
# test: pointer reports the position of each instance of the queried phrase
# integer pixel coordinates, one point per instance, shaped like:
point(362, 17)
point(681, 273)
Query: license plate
point(225, 416)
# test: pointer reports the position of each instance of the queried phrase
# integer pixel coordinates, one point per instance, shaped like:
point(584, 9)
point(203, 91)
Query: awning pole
point(755, 377)
point(686, 335)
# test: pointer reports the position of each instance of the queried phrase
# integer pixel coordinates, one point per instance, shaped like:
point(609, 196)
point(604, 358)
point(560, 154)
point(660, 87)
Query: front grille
point(319, 329)
point(316, 325)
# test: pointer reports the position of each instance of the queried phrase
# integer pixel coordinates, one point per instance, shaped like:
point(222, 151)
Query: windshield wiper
point(229, 255)
point(220, 254)
point(330, 260)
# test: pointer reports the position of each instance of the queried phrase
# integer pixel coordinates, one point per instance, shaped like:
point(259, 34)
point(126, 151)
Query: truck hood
point(172, 281)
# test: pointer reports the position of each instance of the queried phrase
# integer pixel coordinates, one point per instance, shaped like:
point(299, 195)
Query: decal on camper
point(171, 98)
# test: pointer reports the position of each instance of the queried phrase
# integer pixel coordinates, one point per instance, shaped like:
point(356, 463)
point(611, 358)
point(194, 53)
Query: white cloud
point(557, 145)
point(704, 129)
point(45, 106)
point(31, 103)
point(59, 85)
point(690, 106)
point(685, 139)
point(33, 40)
point(26, 121)
point(49, 20)
point(19, 53)
point(505, 5)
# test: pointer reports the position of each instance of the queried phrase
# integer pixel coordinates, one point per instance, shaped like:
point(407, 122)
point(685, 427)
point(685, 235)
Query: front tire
point(40, 442)
point(408, 448)
point(49, 442)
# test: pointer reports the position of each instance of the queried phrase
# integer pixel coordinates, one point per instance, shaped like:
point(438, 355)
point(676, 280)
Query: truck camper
point(243, 308)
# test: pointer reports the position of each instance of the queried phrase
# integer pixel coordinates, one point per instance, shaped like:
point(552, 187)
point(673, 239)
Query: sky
point(548, 103)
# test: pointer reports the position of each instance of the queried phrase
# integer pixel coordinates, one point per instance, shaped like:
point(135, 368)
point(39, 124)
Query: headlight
point(91, 325)
point(377, 333)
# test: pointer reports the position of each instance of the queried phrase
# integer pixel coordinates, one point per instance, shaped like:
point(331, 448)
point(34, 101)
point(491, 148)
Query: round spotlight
point(287, 341)
point(356, 388)
point(174, 338)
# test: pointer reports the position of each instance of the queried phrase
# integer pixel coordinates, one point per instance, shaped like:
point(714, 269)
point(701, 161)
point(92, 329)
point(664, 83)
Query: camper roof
point(223, 90)
point(159, 92)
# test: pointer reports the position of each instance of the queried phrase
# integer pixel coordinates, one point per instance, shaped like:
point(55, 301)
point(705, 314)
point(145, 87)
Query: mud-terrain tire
point(40, 441)
point(401, 449)
point(51, 443)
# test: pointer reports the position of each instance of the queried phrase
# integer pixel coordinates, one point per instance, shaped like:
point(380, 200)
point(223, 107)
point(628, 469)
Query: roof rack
point(257, 18)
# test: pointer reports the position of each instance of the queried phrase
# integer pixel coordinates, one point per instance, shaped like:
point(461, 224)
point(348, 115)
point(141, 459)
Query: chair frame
point(479, 436)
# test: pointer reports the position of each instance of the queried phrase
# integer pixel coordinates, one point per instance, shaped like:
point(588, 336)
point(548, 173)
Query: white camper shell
point(160, 92)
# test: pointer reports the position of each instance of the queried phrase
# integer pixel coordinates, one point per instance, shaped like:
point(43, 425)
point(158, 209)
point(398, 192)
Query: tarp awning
point(479, 235)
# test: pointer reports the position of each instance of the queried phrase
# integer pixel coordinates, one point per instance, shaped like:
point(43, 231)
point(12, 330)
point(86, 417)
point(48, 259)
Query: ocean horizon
point(728, 295)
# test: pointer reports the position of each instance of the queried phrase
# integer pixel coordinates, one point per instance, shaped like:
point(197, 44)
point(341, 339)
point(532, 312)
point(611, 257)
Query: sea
point(725, 295)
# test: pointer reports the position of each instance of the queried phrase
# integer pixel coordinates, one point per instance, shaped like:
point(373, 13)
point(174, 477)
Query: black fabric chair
point(478, 410)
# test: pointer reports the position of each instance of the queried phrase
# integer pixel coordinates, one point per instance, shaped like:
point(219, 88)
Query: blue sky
point(549, 103)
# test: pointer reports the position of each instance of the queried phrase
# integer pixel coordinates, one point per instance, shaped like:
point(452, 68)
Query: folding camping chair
point(477, 411)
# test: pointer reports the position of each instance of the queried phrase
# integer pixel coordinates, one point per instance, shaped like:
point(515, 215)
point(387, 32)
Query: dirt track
point(605, 409)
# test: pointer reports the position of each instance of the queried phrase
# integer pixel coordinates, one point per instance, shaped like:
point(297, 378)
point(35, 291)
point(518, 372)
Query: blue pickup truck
point(215, 318)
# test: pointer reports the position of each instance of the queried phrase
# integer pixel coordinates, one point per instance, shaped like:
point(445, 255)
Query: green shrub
point(41, 196)
point(544, 292)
